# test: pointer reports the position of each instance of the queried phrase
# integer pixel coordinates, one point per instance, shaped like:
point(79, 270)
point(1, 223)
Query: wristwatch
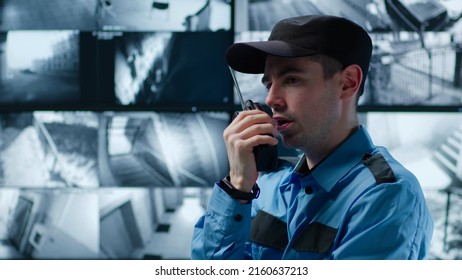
point(225, 184)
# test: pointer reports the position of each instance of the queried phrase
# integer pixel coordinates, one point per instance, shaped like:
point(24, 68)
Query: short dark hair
point(332, 66)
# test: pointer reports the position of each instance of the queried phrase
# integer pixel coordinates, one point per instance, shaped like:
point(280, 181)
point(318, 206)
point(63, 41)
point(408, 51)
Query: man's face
point(306, 106)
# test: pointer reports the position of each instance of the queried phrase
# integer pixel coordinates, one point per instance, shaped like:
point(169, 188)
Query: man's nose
point(274, 98)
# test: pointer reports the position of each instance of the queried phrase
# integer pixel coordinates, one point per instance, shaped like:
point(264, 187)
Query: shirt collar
point(332, 168)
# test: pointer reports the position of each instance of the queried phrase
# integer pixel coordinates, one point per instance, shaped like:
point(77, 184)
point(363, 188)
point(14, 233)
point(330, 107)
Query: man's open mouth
point(282, 123)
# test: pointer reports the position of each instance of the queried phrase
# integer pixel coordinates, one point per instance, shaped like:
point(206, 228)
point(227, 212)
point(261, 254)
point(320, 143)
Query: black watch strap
point(226, 185)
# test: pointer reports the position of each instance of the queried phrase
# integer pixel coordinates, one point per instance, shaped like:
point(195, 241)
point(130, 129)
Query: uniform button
point(238, 218)
point(308, 190)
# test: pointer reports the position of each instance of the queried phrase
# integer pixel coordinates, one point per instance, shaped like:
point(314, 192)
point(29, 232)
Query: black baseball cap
point(333, 36)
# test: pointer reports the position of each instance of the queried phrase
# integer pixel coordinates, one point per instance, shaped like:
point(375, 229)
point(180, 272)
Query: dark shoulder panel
point(380, 168)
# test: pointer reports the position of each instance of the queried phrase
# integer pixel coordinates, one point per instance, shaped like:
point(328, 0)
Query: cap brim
point(250, 57)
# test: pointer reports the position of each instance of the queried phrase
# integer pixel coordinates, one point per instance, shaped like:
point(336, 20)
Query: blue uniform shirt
point(358, 203)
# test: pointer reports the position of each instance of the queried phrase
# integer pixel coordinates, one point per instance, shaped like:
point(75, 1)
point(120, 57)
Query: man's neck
point(313, 159)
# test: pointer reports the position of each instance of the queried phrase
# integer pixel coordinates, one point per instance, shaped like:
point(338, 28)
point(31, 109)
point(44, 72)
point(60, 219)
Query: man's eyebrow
point(282, 72)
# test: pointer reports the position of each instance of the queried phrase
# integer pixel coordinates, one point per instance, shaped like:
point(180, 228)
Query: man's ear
point(352, 77)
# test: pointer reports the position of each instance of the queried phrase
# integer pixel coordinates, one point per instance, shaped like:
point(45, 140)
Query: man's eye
point(292, 80)
point(267, 86)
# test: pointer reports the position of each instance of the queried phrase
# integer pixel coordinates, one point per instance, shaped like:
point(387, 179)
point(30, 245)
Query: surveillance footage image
point(262, 15)
point(162, 149)
point(48, 149)
point(152, 224)
point(163, 15)
point(372, 15)
point(45, 74)
point(172, 69)
point(48, 224)
point(404, 72)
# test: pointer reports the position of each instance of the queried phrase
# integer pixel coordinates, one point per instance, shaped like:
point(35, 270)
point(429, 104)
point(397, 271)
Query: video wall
point(114, 109)
point(86, 79)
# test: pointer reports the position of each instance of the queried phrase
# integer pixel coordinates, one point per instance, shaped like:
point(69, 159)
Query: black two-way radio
point(266, 156)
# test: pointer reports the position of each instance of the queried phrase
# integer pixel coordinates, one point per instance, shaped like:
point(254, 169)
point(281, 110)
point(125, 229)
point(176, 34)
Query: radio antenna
point(236, 85)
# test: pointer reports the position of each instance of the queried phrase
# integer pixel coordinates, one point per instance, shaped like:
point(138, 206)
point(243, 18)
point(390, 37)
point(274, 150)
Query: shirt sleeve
point(389, 222)
point(221, 233)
